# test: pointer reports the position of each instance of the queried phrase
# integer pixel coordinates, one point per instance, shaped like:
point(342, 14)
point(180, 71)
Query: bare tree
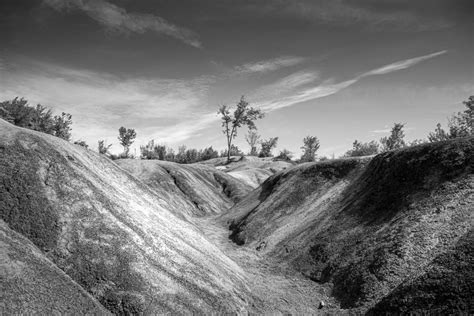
point(242, 115)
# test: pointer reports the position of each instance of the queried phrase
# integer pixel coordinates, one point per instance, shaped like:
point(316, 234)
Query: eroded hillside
point(198, 189)
point(251, 170)
point(82, 234)
point(384, 233)
point(108, 232)
point(32, 284)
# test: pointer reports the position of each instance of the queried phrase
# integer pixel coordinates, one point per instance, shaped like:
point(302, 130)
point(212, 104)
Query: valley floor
point(275, 290)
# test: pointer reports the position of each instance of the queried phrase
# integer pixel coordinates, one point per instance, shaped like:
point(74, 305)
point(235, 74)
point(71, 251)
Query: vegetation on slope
point(32, 284)
point(372, 229)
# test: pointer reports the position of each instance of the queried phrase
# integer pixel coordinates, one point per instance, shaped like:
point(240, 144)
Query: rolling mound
point(384, 232)
point(108, 232)
point(249, 169)
point(197, 189)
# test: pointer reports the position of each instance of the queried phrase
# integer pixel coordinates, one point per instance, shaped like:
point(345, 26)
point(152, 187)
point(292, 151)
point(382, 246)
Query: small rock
point(321, 305)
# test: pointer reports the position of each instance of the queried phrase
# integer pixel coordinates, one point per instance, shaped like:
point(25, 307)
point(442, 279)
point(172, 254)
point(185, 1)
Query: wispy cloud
point(269, 65)
point(100, 103)
point(169, 111)
point(347, 13)
point(118, 19)
point(402, 64)
point(183, 130)
point(329, 88)
point(286, 84)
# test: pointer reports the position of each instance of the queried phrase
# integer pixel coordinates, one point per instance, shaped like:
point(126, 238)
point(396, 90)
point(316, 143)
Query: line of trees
point(460, 124)
point(183, 155)
point(41, 118)
point(38, 118)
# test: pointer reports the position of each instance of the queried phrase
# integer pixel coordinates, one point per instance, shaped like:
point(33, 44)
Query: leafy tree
point(170, 155)
point(5, 114)
point(103, 147)
point(62, 126)
point(209, 153)
point(181, 155)
point(148, 151)
point(395, 140)
point(39, 118)
point(153, 151)
point(161, 151)
point(267, 146)
point(191, 155)
point(252, 139)
point(126, 138)
point(460, 124)
point(362, 149)
point(42, 120)
point(469, 114)
point(285, 155)
point(310, 147)
point(231, 122)
point(81, 143)
point(416, 142)
point(18, 112)
point(234, 151)
point(438, 135)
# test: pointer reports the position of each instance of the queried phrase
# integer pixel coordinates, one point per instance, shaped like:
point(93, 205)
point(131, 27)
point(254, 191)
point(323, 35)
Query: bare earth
point(276, 290)
point(385, 234)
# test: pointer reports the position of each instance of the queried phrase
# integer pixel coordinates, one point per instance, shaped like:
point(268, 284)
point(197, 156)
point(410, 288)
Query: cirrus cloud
point(269, 65)
point(118, 19)
point(328, 87)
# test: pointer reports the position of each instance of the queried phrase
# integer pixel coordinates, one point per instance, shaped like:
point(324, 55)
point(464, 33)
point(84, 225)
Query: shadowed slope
point(197, 189)
point(32, 284)
point(370, 227)
point(109, 232)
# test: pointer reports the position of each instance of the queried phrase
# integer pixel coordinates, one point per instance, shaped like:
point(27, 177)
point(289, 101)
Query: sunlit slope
point(196, 189)
point(249, 169)
point(108, 232)
point(383, 232)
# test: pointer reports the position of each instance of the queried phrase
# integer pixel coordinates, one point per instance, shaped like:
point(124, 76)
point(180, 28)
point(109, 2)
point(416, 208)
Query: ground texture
point(80, 234)
point(382, 232)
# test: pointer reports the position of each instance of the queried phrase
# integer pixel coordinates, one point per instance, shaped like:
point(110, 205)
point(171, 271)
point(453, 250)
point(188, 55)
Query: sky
point(336, 69)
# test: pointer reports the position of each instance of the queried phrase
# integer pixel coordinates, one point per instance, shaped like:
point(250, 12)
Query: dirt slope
point(197, 189)
point(251, 170)
point(32, 284)
point(383, 233)
point(108, 232)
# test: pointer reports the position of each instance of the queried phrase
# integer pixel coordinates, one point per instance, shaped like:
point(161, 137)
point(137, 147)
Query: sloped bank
point(382, 232)
point(249, 169)
point(108, 232)
point(199, 190)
